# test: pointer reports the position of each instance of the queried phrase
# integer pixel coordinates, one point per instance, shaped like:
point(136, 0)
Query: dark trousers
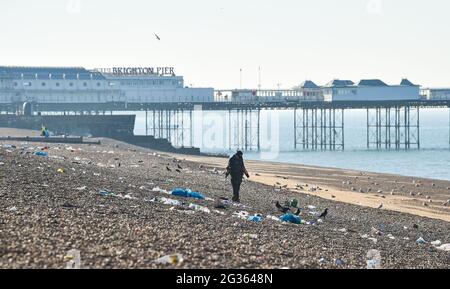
point(236, 183)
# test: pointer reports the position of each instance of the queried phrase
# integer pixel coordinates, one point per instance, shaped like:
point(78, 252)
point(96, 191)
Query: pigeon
point(298, 212)
point(168, 169)
point(324, 214)
point(157, 37)
point(380, 207)
point(281, 208)
point(179, 167)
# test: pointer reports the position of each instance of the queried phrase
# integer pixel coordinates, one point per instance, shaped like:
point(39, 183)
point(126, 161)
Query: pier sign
point(136, 71)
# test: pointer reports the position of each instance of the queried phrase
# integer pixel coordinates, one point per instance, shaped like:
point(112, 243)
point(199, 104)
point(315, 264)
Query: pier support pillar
point(318, 129)
point(244, 129)
point(393, 127)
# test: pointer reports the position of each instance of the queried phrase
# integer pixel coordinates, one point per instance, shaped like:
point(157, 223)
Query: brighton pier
point(393, 111)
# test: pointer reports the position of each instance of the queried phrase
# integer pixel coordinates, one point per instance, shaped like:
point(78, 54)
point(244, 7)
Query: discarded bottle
point(174, 259)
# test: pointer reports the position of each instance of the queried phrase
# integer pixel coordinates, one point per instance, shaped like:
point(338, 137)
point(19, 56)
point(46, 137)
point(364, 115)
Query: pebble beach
point(112, 204)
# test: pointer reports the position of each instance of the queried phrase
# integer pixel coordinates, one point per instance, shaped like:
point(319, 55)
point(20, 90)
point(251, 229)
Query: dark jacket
point(236, 167)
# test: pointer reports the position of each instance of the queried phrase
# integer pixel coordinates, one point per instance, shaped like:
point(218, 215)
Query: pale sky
point(208, 41)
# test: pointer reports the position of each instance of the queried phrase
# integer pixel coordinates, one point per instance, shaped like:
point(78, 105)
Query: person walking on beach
point(236, 170)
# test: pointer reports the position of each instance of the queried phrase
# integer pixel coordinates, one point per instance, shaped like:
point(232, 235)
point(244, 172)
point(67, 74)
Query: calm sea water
point(277, 141)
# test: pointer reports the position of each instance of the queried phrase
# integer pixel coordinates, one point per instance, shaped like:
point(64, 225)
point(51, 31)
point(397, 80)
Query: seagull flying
point(157, 37)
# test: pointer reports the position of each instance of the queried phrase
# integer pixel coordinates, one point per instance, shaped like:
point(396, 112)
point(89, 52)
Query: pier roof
point(339, 83)
point(372, 82)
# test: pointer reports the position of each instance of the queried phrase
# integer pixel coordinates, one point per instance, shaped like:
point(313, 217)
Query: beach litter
point(339, 262)
point(12, 209)
point(421, 241)
point(199, 208)
point(61, 171)
point(255, 218)
point(219, 212)
point(105, 193)
point(241, 215)
point(376, 232)
point(222, 203)
point(174, 259)
point(81, 188)
point(436, 243)
point(289, 218)
point(166, 201)
point(251, 236)
point(41, 154)
point(322, 260)
point(373, 259)
point(159, 190)
point(187, 194)
point(127, 196)
point(273, 218)
point(365, 236)
point(444, 247)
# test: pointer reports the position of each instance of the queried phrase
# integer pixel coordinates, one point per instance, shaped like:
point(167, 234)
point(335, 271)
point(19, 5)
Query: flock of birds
point(416, 183)
point(285, 209)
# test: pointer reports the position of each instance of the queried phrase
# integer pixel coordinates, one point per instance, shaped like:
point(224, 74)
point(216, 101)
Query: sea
point(211, 133)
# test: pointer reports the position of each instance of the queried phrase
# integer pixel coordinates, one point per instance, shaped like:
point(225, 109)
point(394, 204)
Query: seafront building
point(79, 85)
point(435, 93)
point(370, 90)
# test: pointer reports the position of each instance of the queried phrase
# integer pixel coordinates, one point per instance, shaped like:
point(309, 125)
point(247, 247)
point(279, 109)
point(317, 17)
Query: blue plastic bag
point(255, 218)
point(187, 194)
point(196, 195)
point(41, 154)
point(180, 192)
point(289, 218)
